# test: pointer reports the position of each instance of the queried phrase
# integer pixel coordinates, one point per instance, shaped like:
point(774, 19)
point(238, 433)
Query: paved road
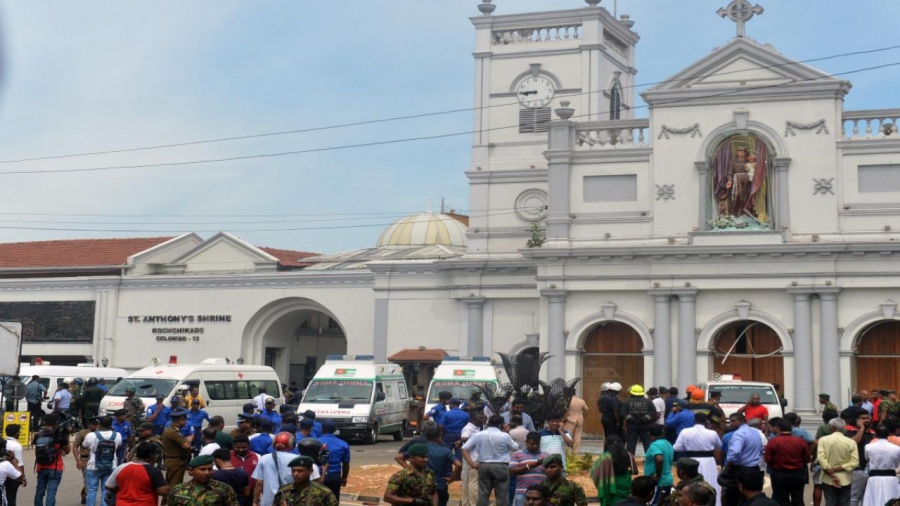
point(69, 493)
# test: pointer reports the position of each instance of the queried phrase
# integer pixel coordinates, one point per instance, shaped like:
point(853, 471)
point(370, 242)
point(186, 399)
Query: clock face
point(535, 91)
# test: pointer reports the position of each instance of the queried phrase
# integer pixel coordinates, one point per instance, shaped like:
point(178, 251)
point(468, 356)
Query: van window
point(389, 391)
point(231, 390)
point(330, 391)
point(740, 394)
point(402, 389)
point(459, 389)
point(379, 391)
point(145, 387)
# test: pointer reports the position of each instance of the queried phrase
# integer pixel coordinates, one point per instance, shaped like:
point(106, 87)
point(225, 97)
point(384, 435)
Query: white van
point(363, 398)
point(460, 376)
point(52, 375)
point(225, 387)
point(736, 393)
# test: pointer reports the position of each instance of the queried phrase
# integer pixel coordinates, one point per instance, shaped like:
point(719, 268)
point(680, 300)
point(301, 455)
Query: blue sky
point(84, 76)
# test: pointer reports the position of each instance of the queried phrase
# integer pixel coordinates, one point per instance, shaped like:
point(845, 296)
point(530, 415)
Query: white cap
point(604, 386)
point(615, 387)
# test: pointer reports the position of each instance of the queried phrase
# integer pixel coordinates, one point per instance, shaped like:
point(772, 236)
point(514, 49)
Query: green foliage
point(578, 463)
point(537, 236)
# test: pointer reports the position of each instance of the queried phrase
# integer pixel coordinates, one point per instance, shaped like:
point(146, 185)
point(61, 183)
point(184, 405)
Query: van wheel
point(398, 435)
point(372, 436)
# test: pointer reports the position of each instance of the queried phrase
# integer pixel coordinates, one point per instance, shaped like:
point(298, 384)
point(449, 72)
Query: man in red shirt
point(138, 483)
point(242, 457)
point(51, 444)
point(787, 456)
point(753, 409)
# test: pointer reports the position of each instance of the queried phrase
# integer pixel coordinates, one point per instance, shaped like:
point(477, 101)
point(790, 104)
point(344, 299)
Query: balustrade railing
point(622, 134)
point(871, 124)
point(538, 34)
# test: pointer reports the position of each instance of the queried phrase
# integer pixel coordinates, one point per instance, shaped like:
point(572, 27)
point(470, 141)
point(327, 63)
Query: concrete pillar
point(687, 338)
point(379, 348)
point(804, 391)
point(556, 337)
point(559, 166)
point(703, 216)
point(829, 344)
point(475, 335)
point(782, 202)
point(662, 339)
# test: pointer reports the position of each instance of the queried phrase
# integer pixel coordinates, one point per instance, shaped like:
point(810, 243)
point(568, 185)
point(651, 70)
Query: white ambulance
point(460, 376)
point(736, 393)
point(224, 386)
point(52, 375)
point(363, 398)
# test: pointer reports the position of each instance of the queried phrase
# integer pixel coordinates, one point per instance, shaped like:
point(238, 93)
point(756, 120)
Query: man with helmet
point(133, 406)
point(638, 414)
point(91, 397)
point(611, 410)
point(76, 409)
point(274, 471)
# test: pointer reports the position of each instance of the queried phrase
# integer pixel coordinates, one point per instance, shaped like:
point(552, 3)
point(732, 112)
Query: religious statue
point(740, 183)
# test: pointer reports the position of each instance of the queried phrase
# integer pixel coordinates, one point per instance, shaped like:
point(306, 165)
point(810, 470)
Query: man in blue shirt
point(261, 443)
point(123, 427)
point(440, 408)
point(316, 426)
point(195, 418)
point(518, 408)
point(745, 448)
point(679, 419)
point(453, 422)
point(338, 458)
point(442, 463)
point(271, 415)
point(158, 414)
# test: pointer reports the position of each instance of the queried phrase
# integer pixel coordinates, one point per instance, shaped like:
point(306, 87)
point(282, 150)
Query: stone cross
point(740, 11)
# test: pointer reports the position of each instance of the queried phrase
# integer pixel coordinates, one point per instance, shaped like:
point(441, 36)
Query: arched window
point(615, 101)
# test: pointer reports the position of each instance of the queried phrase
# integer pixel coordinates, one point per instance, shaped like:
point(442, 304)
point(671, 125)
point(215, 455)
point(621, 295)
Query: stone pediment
point(223, 252)
point(740, 70)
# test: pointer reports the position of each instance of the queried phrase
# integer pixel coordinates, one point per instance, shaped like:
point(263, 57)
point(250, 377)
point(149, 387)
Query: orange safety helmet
point(690, 388)
point(698, 394)
point(283, 441)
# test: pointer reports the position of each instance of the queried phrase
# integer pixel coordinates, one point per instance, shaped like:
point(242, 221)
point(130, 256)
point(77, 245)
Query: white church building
point(748, 225)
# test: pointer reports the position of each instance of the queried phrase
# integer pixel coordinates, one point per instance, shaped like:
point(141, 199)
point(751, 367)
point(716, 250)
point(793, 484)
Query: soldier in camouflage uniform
point(889, 407)
point(303, 491)
point(134, 406)
point(416, 482)
point(146, 432)
point(202, 489)
point(83, 454)
point(687, 470)
point(563, 492)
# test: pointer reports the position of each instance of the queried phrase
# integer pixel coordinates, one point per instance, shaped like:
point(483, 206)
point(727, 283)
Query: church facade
point(747, 226)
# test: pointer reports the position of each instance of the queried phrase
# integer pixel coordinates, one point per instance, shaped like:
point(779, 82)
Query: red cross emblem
point(241, 375)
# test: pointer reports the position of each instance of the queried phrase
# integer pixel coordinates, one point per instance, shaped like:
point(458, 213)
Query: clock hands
point(526, 93)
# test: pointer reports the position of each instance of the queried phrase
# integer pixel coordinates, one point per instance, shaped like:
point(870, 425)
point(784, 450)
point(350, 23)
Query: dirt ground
point(371, 481)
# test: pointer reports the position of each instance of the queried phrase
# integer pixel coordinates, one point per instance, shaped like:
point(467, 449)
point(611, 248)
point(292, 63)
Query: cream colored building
point(748, 225)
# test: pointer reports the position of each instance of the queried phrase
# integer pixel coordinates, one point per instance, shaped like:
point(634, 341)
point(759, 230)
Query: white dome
point(424, 229)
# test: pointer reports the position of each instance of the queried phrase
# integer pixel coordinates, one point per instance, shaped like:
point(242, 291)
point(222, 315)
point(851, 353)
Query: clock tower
point(525, 66)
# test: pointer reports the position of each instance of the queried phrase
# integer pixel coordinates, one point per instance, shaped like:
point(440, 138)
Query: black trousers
point(787, 486)
point(610, 429)
point(631, 439)
point(333, 481)
point(12, 489)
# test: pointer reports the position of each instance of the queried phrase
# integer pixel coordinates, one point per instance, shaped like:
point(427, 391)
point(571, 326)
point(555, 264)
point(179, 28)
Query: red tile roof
point(73, 252)
point(289, 258)
point(418, 355)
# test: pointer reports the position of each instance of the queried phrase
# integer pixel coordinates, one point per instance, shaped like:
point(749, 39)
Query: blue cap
point(306, 423)
point(176, 413)
point(328, 425)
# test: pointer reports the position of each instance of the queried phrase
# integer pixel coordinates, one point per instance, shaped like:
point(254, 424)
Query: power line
point(407, 139)
point(411, 116)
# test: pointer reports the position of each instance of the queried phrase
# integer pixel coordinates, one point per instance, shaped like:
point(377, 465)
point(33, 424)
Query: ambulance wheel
point(398, 435)
point(372, 436)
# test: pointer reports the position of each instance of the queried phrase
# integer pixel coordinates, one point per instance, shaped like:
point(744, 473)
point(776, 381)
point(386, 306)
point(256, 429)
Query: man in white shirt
point(12, 484)
point(100, 466)
point(62, 399)
point(884, 459)
point(704, 446)
point(273, 472)
point(209, 442)
point(10, 470)
point(260, 400)
point(469, 477)
point(494, 448)
point(659, 403)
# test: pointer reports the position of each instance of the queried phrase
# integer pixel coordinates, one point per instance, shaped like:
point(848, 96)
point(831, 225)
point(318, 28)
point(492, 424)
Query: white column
point(829, 344)
point(703, 205)
point(556, 338)
point(804, 393)
point(687, 337)
point(379, 347)
point(662, 339)
point(782, 202)
point(475, 336)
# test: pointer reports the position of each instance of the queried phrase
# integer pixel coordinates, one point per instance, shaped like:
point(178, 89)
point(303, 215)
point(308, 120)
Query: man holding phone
point(526, 467)
point(861, 433)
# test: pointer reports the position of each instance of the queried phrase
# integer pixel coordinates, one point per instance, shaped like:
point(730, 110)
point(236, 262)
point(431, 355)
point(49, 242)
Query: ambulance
point(224, 386)
point(364, 399)
point(736, 393)
point(461, 376)
point(52, 375)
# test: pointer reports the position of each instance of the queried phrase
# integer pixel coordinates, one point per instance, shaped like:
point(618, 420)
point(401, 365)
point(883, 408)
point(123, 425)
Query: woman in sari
point(612, 472)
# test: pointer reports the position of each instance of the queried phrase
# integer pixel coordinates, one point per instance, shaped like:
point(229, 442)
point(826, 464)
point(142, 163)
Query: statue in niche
point(740, 184)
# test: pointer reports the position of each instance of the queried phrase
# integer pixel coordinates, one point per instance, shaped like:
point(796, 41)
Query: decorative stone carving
point(531, 205)
point(609, 310)
point(486, 7)
point(665, 192)
point(823, 186)
point(740, 11)
point(743, 309)
point(820, 127)
point(694, 130)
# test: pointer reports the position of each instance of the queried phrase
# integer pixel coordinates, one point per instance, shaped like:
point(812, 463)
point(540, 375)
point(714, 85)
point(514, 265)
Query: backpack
point(45, 451)
point(105, 452)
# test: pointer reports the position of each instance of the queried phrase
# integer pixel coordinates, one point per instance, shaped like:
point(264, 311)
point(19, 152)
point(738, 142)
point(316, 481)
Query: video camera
point(65, 428)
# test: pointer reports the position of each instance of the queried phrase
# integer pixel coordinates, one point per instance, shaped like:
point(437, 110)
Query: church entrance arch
point(293, 336)
point(611, 353)
point(877, 356)
point(753, 350)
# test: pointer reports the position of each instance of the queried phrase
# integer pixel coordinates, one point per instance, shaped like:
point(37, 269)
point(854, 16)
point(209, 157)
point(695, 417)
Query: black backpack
point(45, 451)
point(105, 454)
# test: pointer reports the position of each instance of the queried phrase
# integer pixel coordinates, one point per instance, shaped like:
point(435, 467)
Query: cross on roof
point(740, 11)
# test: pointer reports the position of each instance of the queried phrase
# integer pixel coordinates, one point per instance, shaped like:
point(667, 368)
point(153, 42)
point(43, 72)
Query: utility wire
point(408, 139)
point(411, 116)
